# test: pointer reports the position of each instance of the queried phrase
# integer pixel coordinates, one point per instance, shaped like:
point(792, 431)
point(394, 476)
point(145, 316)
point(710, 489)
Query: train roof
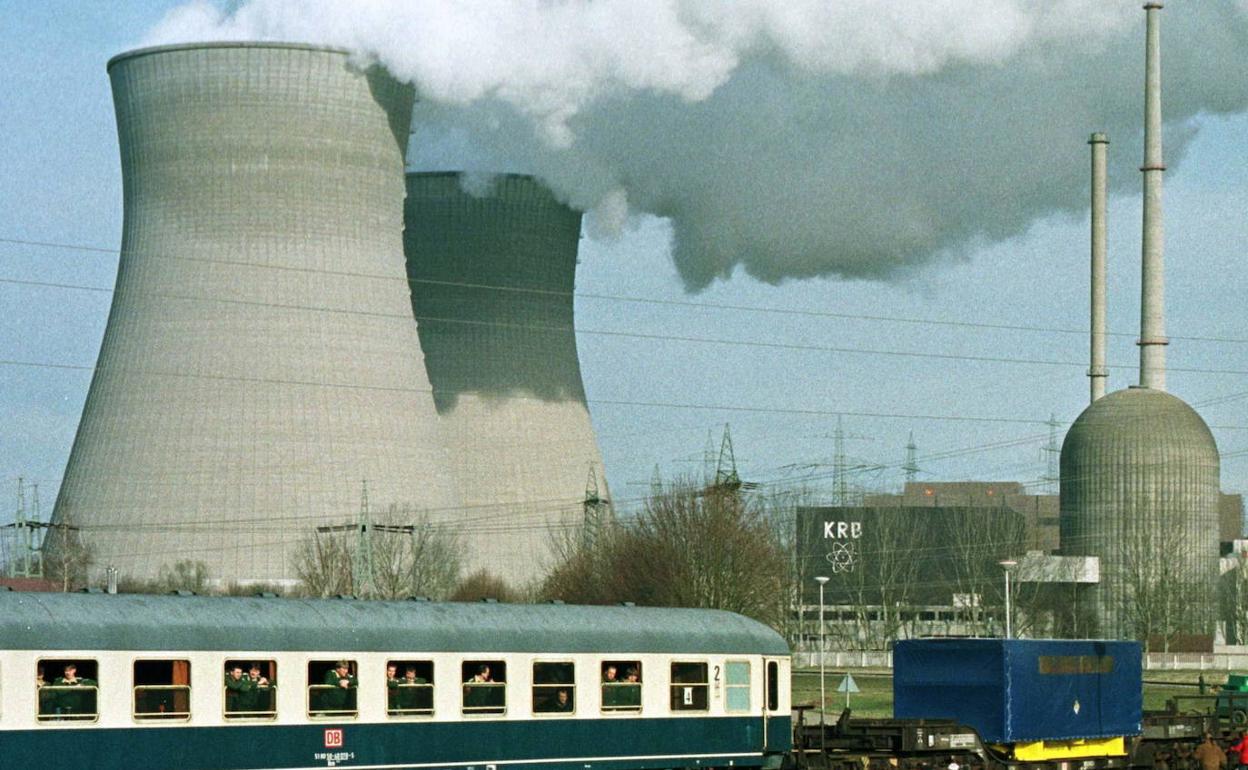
point(51, 621)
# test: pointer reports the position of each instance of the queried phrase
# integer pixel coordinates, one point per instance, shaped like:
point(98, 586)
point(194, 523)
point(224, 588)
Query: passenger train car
point(198, 683)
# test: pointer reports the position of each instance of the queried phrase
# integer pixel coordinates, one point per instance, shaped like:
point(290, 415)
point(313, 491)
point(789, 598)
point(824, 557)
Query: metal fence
point(1153, 661)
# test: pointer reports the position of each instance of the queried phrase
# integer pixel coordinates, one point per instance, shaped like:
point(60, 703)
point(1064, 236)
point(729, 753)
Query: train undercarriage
point(849, 743)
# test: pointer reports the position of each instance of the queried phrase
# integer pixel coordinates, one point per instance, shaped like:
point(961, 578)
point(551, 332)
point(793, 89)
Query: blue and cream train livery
point(195, 683)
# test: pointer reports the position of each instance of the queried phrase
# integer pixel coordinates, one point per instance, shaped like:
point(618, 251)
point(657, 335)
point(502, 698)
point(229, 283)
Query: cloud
point(806, 138)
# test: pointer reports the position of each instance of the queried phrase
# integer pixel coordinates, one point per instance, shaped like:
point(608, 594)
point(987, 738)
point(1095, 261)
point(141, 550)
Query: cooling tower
point(260, 360)
point(492, 282)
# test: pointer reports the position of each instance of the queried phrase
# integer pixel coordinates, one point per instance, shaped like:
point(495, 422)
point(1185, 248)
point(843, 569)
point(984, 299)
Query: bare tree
point(67, 555)
point(433, 558)
point(483, 585)
point(689, 547)
point(323, 564)
point(406, 556)
point(879, 578)
point(1154, 598)
point(250, 588)
point(583, 570)
point(1049, 599)
point(184, 575)
point(978, 540)
point(1234, 593)
point(780, 511)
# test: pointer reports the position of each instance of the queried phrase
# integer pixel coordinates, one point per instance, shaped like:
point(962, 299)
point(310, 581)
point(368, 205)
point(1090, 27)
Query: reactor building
point(260, 361)
point(492, 277)
point(1139, 467)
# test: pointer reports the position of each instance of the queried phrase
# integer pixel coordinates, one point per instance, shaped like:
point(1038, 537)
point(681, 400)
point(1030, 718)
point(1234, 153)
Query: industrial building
point(492, 287)
point(260, 361)
point(287, 333)
point(295, 318)
point(906, 555)
point(1142, 525)
point(1039, 512)
point(1139, 467)
point(928, 561)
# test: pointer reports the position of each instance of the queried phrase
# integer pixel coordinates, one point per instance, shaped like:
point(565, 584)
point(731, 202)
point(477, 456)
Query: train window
point(773, 686)
point(485, 686)
point(250, 689)
point(332, 689)
point(737, 685)
point(621, 685)
point(67, 690)
point(554, 688)
point(162, 689)
point(409, 688)
point(689, 687)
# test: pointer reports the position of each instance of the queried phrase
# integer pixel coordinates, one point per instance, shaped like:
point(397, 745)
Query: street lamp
point(1008, 565)
point(823, 698)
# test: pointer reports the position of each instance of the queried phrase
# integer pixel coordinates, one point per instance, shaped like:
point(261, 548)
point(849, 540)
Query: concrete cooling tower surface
point(260, 359)
point(492, 282)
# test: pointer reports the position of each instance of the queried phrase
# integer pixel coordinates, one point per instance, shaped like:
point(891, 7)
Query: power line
point(596, 401)
point(606, 297)
point(690, 406)
point(663, 337)
point(484, 517)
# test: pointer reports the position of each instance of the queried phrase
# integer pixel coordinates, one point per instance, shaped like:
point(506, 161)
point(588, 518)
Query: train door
point(775, 729)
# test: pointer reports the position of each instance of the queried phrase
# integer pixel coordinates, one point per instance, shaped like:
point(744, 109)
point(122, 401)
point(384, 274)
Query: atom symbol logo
point(842, 557)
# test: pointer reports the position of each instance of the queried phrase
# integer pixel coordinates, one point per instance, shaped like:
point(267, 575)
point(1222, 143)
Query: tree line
point(731, 548)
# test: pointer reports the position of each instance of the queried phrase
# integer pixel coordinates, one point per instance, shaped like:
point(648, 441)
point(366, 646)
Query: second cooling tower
point(492, 290)
point(260, 360)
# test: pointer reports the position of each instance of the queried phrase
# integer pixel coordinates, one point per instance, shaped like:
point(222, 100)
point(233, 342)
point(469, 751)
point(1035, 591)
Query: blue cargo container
point(1022, 690)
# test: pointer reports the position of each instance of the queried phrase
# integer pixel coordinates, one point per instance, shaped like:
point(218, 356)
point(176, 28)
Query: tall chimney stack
point(1096, 371)
point(1152, 340)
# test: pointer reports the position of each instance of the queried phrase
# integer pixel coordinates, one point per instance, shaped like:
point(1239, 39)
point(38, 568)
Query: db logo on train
point(333, 738)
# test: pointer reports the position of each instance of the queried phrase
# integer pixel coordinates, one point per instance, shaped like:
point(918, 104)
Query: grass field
point(876, 685)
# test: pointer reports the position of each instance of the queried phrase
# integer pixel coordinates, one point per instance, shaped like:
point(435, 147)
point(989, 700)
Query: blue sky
point(60, 184)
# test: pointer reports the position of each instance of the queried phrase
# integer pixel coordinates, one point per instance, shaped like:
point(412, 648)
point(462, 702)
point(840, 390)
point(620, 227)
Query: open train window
point(554, 688)
point(690, 687)
point(737, 685)
point(773, 686)
point(162, 689)
point(485, 686)
point(621, 685)
point(67, 690)
point(250, 689)
point(332, 689)
point(409, 688)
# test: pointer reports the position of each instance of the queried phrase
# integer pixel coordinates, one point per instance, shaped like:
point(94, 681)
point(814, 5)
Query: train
point(1014, 704)
point(147, 682)
point(184, 682)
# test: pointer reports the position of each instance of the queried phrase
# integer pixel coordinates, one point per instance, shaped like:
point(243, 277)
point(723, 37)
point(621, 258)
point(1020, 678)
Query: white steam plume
point(802, 138)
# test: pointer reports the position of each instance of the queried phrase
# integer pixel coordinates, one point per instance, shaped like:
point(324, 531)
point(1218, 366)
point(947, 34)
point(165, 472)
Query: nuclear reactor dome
point(1139, 490)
